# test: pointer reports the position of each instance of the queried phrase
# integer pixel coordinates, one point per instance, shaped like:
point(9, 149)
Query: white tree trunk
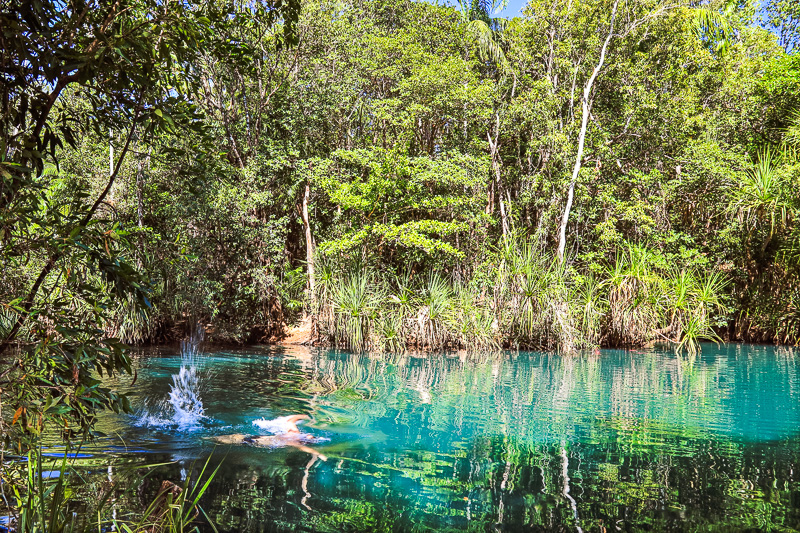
point(494, 149)
point(312, 288)
point(585, 110)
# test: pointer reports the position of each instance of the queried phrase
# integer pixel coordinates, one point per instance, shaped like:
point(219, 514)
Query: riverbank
point(519, 297)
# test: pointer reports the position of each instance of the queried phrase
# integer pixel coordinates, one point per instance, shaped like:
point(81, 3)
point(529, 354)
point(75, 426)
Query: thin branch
point(51, 263)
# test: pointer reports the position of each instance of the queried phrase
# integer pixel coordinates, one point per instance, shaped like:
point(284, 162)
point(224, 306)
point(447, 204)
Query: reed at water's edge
point(49, 492)
point(524, 299)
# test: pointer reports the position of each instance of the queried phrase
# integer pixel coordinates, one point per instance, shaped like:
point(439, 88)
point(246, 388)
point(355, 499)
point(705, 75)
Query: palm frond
point(713, 26)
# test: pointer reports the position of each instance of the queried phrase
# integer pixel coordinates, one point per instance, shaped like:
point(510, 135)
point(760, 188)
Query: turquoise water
point(616, 441)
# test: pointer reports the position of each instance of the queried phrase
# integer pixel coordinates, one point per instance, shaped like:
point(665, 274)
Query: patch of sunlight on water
point(521, 441)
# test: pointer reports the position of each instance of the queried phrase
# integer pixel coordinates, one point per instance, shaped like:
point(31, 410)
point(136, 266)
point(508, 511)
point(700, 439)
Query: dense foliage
point(401, 145)
point(398, 173)
point(393, 173)
point(72, 73)
point(401, 139)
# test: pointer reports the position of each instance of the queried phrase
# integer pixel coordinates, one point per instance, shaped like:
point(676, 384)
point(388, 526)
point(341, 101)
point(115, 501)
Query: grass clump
point(523, 298)
point(650, 301)
point(42, 497)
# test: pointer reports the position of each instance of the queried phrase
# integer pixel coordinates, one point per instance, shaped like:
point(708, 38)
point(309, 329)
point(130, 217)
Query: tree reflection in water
point(617, 441)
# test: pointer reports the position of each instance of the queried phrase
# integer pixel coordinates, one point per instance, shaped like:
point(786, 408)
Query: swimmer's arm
point(306, 449)
point(291, 421)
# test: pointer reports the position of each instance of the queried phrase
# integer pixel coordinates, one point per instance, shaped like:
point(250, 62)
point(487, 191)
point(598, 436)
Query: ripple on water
point(524, 440)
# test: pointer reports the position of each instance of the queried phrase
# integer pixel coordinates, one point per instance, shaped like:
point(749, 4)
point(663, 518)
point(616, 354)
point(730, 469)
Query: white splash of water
point(184, 406)
point(184, 397)
point(277, 426)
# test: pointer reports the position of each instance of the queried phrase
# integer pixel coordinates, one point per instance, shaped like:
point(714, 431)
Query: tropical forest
point(399, 265)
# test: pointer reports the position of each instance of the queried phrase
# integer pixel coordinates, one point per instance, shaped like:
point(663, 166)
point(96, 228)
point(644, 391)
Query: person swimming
point(288, 434)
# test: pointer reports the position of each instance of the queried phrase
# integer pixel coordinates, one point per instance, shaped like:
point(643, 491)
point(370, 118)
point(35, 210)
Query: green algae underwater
point(516, 441)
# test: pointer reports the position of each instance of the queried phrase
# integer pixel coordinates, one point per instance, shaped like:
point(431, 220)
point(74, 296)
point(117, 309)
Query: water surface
point(616, 441)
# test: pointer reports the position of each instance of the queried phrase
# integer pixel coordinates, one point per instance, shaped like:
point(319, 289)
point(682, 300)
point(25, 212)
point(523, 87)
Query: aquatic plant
point(694, 301)
point(175, 509)
point(41, 499)
point(48, 492)
point(131, 323)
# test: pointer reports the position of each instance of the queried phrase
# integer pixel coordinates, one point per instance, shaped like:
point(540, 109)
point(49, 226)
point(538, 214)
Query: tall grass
point(175, 509)
point(471, 319)
point(434, 305)
point(7, 319)
point(43, 499)
point(770, 316)
point(355, 300)
point(131, 323)
point(541, 303)
point(591, 305)
point(649, 301)
point(633, 298)
point(789, 323)
point(524, 299)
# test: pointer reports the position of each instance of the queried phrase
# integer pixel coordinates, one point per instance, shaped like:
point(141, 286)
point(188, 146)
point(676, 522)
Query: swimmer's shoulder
point(236, 438)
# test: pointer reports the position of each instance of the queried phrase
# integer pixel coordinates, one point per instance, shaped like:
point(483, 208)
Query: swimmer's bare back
point(295, 440)
point(236, 438)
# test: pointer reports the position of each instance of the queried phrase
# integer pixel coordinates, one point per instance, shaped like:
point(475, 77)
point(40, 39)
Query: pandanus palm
point(356, 299)
point(763, 195)
point(793, 131)
point(712, 23)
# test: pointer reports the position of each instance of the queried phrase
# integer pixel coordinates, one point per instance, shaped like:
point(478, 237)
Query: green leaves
point(390, 199)
point(713, 26)
point(783, 17)
point(764, 195)
point(125, 73)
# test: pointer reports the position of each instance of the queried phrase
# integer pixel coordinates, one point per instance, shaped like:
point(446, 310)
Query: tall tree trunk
point(140, 209)
point(111, 161)
point(586, 108)
point(494, 149)
point(110, 152)
point(139, 193)
point(312, 287)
